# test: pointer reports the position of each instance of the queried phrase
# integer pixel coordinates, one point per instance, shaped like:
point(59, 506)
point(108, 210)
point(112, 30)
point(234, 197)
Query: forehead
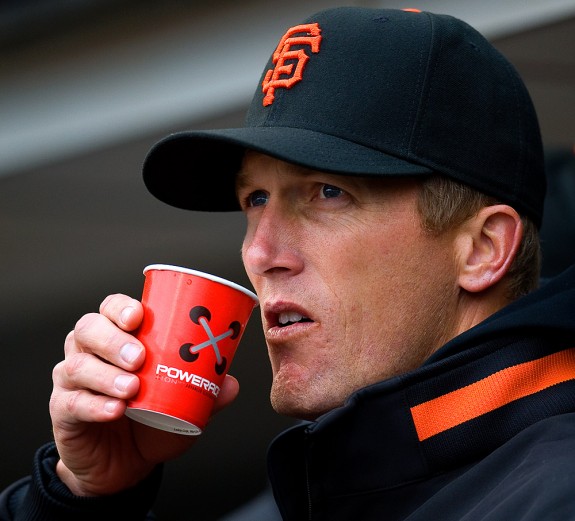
point(256, 163)
point(257, 167)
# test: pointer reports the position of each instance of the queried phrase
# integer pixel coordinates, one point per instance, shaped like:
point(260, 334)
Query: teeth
point(289, 317)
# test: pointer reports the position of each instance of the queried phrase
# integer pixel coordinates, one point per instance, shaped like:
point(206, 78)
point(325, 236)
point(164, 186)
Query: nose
point(272, 245)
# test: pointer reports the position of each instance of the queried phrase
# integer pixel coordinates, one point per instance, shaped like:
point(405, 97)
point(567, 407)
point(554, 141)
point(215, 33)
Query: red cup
point(192, 325)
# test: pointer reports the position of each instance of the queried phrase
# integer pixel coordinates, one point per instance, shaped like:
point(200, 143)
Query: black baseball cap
point(371, 92)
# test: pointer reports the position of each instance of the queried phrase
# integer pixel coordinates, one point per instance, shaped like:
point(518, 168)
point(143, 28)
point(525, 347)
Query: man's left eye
point(330, 191)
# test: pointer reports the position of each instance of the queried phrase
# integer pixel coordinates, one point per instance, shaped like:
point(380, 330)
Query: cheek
point(379, 295)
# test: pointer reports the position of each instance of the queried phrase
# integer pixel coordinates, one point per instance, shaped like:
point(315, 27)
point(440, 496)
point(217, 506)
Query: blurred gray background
point(86, 87)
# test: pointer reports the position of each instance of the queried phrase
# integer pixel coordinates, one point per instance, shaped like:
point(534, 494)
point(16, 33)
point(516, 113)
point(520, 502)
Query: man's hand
point(102, 451)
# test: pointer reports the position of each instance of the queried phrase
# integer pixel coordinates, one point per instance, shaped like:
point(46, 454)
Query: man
point(390, 171)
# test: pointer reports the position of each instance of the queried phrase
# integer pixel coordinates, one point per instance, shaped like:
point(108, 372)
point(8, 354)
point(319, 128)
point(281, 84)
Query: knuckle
point(74, 366)
point(92, 332)
point(114, 308)
point(64, 404)
point(69, 343)
point(112, 303)
point(72, 402)
point(54, 404)
point(86, 324)
point(69, 337)
point(106, 303)
point(57, 371)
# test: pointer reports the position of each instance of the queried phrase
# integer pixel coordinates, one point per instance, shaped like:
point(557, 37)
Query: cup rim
point(209, 276)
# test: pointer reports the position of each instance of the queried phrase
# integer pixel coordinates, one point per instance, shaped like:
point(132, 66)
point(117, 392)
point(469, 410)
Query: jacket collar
point(478, 391)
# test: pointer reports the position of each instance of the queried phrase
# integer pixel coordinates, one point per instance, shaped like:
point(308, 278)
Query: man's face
point(352, 290)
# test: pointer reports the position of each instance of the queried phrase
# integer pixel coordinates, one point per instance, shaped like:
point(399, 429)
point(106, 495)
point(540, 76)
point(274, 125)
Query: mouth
point(288, 318)
point(284, 315)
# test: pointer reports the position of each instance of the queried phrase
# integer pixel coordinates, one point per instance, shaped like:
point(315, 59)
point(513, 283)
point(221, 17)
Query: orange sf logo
point(311, 36)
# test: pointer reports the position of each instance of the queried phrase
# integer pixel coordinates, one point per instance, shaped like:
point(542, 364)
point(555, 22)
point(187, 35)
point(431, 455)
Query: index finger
point(96, 334)
point(124, 311)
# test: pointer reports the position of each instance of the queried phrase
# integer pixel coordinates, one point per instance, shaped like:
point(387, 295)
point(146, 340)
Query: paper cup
point(192, 325)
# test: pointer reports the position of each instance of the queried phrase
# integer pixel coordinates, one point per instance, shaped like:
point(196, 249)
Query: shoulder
point(531, 477)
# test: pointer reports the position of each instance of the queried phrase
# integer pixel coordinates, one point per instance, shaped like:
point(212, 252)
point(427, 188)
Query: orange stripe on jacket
point(490, 393)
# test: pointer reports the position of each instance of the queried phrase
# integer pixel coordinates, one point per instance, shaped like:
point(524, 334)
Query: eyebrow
point(242, 179)
point(243, 176)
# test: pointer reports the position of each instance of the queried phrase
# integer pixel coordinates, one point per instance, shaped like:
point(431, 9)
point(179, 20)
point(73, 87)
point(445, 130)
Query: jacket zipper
point(307, 480)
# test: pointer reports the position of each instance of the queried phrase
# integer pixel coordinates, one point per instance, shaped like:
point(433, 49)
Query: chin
point(298, 407)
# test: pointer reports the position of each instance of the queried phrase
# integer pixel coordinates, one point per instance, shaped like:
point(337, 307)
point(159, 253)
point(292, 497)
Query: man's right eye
point(257, 198)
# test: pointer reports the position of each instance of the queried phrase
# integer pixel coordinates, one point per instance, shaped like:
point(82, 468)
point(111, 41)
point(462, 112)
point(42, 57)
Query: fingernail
point(130, 352)
point(123, 381)
point(126, 314)
point(110, 406)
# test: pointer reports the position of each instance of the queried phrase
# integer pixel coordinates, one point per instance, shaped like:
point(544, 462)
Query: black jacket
point(485, 430)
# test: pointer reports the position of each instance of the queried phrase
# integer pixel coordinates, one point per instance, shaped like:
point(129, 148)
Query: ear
point(486, 246)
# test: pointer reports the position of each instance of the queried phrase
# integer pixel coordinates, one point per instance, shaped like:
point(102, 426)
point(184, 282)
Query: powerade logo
point(176, 375)
point(189, 352)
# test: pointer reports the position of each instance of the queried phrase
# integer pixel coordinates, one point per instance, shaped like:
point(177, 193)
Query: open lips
point(287, 318)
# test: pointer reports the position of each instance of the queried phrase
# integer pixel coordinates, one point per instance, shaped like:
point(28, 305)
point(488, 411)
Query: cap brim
point(196, 170)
